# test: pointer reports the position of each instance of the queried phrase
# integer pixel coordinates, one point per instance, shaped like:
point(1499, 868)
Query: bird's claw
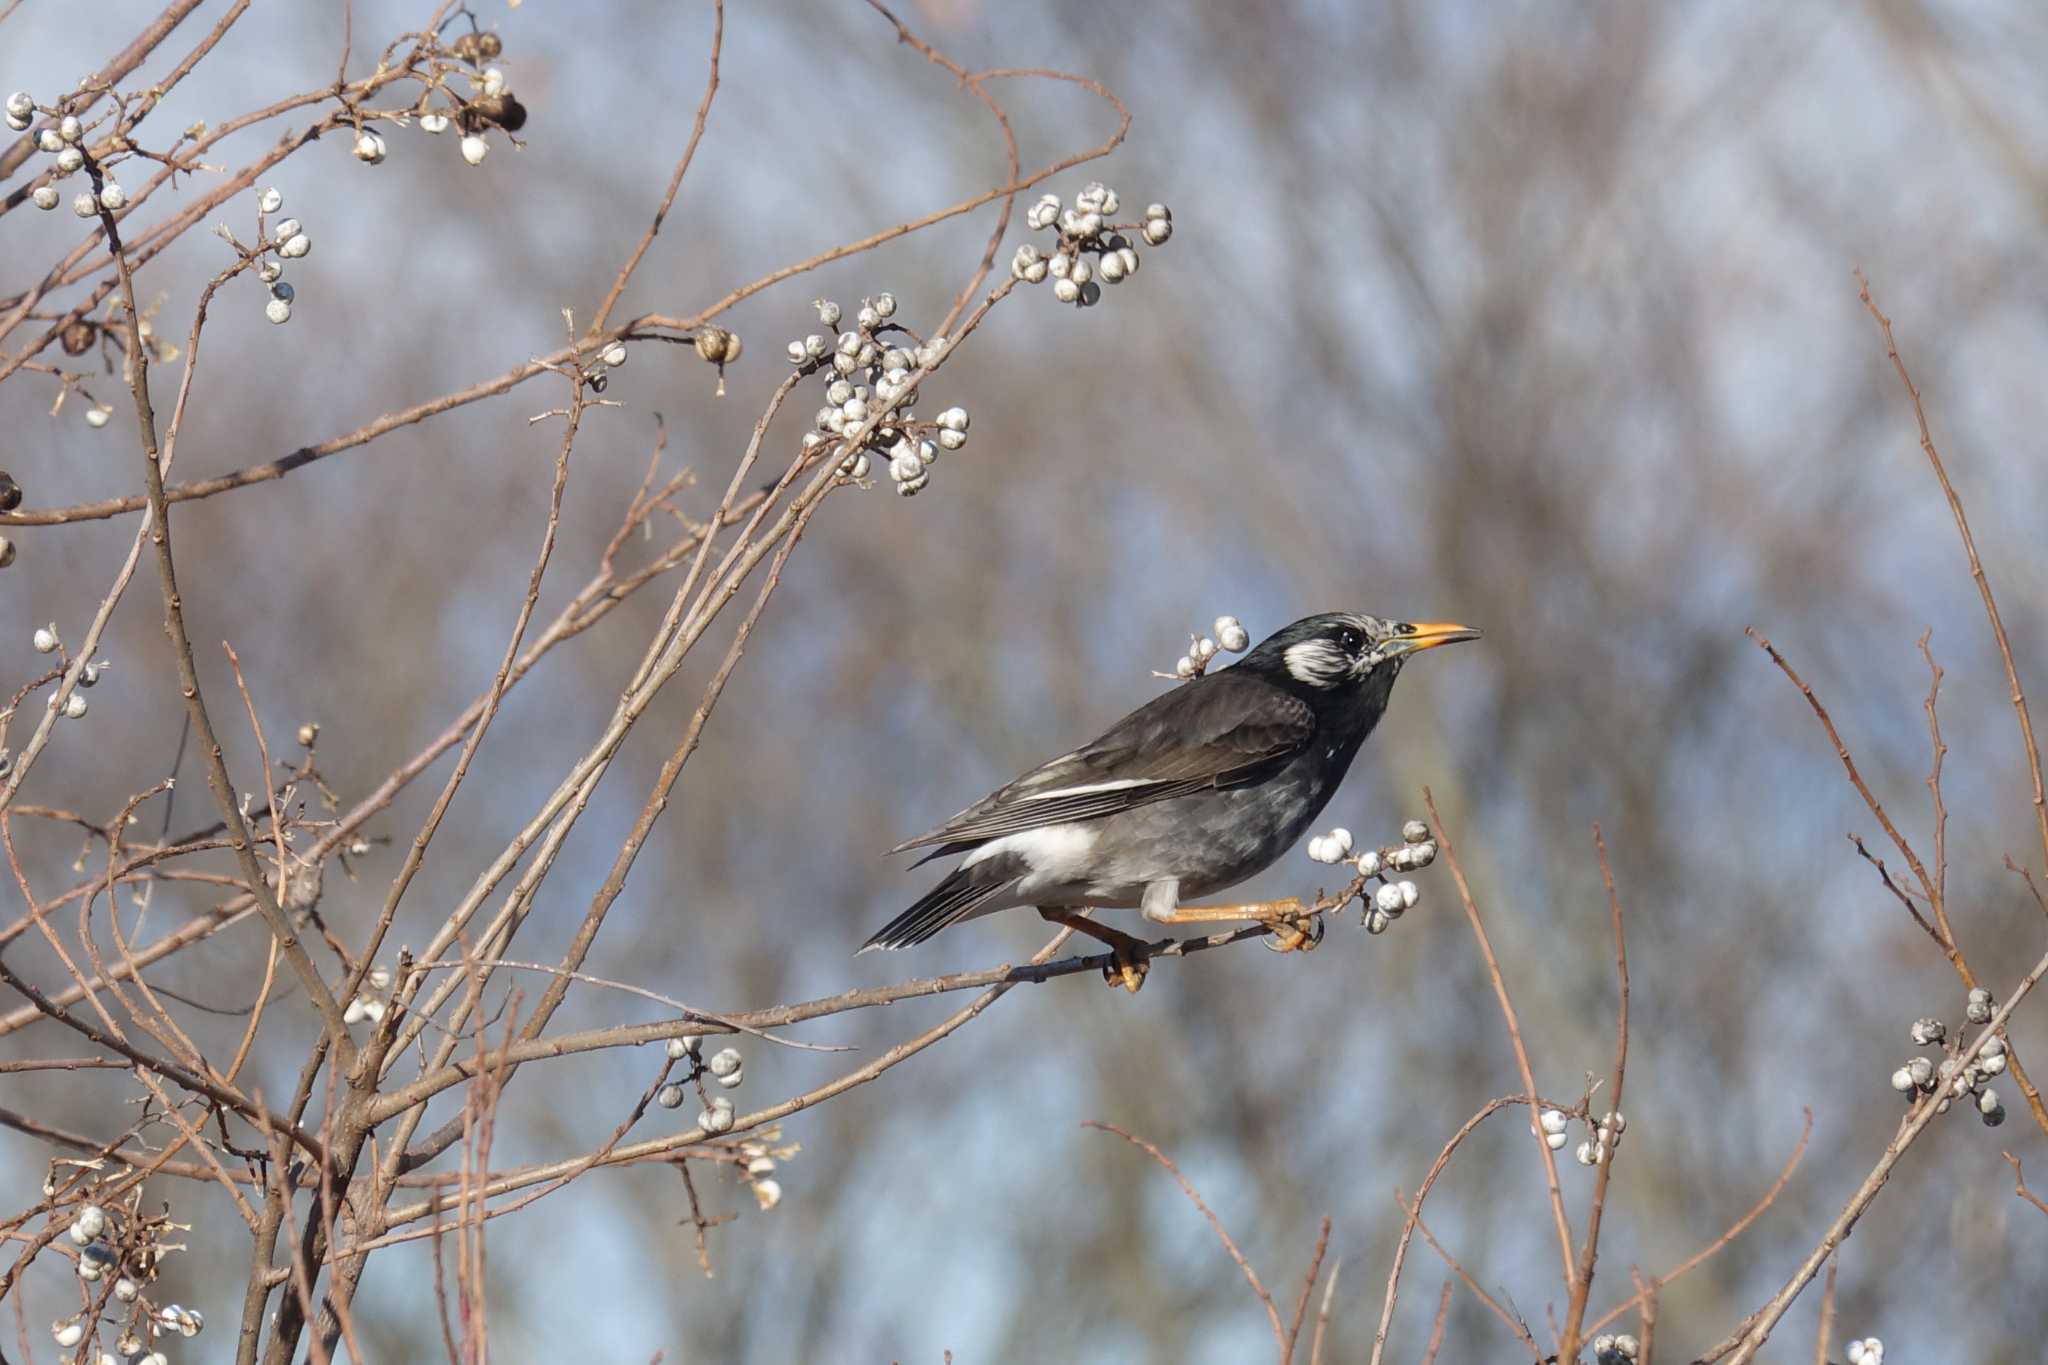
point(1294, 933)
point(1126, 969)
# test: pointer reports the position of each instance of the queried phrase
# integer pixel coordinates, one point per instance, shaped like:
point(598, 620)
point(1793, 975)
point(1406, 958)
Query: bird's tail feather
point(952, 900)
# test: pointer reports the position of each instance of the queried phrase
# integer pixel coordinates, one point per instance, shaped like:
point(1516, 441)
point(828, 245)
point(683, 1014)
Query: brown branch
point(1315, 1345)
point(675, 181)
point(1746, 1343)
point(1582, 1284)
point(104, 80)
point(1514, 1323)
point(1940, 752)
point(1036, 972)
point(1413, 1220)
point(1977, 574)
point(1308, 1284)
point(1929, 886)
point(2019, 1184)
point(188, 675)
point(1251, 1276)
point(1436, 1327)
point(1507, 1009)
point(1827, 1315)
point(668, 1146)
point(1735, 1230)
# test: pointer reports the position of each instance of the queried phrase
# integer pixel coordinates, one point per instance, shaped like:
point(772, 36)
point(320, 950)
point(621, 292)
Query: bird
point(1200, 788)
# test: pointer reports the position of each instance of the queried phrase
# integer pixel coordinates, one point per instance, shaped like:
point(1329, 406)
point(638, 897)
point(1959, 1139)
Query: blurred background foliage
point(1537, 316)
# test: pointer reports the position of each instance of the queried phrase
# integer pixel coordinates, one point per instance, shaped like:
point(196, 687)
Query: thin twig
point(1582, 1284)
point(1436, 1327)
point(1514, 1323)
point(1827, 1315)
point(1251, 1277)
point(1315, 1345)
point(2031, 749)
point(1749, 1342)
point(1507, 1009)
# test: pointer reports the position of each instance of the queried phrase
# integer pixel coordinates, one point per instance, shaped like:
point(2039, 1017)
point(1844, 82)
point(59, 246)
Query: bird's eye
point(1350, 640)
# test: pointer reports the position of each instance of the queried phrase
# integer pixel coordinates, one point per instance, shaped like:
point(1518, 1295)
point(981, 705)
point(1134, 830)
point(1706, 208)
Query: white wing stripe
point(1118, 785)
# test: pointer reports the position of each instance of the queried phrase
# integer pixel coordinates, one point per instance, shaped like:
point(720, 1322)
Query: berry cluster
point(1869, 1351)
point(1085, 231)
point(1228, 637)
point(45, 641)
point(1606, 1137)
point(870, 372)
point(118, 1251)
point(61, 140)
point(1618, 1349)
point(725, 1067)
point(1555, 1125)
point(285, 240)
point(1391, 899)
point(1957, 1076)
point(754, 1160)
point(489, 104)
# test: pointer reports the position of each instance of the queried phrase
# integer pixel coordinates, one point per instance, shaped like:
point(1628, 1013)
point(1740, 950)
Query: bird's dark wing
point(1221, 730)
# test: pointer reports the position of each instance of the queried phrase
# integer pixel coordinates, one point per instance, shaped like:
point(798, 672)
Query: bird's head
point(1341, 651)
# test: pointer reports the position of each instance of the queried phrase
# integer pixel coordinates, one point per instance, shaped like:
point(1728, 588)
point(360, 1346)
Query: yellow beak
point(1416, 636)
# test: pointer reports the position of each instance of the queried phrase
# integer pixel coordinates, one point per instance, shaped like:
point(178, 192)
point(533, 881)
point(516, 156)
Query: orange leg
point(1292, 926)
point(1130, 963)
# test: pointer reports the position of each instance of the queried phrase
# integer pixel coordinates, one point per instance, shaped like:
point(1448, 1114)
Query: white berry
point(89, 1223)
point(474, 149)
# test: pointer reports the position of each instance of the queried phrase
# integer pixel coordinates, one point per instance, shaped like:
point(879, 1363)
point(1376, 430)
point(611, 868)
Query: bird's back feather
point(1226, 728)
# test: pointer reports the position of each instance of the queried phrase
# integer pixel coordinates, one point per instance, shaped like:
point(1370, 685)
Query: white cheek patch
point(1317, 663)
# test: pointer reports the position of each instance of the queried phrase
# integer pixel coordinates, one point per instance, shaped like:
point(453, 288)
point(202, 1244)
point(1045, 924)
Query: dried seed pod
point(502, 110)
point(477, 47)
point(78, 336)
point(717, 345)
